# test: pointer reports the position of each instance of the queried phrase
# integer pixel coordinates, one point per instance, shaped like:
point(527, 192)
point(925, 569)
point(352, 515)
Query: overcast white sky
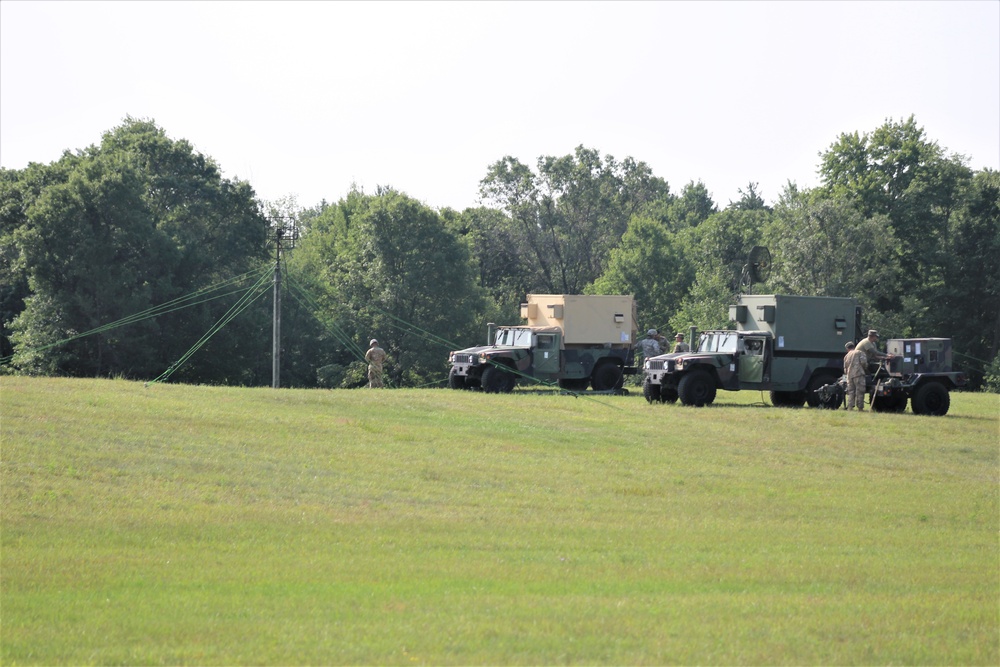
point(304, 99)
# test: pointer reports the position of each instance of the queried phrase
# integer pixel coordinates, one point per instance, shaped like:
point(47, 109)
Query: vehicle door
point(545, 355)
point(752, 360)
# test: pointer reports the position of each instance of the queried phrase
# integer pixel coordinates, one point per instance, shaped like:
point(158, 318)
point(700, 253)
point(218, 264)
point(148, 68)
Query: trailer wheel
point(889, 403)
point(456, 381)
point(497, 380)
point(607, 376)
point(697, 388)
point(931, 398)
point(651, 391)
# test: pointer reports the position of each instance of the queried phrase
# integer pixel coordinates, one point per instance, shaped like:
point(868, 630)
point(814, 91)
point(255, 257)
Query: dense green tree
point(491, 242)
point(90, 249)
point(750, 199)
point(564, 220)
point(967, 307)
point(897, 172)
point(693, 207)
point(719, 249)
point(651, 263)
point(826, 247)
point(394, 271)
point(115, 229)
point(19, 188)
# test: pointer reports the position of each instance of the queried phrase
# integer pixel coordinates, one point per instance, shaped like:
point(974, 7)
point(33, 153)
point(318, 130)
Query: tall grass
point(202, 525)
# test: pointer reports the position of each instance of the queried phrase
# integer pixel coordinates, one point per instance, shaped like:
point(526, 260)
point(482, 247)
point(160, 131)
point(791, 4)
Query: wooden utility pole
point(289, 234)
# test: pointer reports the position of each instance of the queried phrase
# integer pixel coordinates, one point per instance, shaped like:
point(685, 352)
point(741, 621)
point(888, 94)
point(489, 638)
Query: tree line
point(140, 220)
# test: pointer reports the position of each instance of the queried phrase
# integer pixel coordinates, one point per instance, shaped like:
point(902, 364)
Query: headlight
point(645, 364)
point(679, 364)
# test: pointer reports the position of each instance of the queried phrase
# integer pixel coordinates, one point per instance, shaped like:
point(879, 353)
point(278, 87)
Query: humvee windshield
point(514, 337)
point(718, 341)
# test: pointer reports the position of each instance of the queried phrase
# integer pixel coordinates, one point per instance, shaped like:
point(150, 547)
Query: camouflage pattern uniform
point(872, 355)
point(680, 345)
point(855, 366)
point(375, 357)
point(649, 346)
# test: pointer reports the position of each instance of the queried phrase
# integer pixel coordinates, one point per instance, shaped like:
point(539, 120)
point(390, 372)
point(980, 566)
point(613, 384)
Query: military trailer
point(574, 340)
point(920, 373)
point(787, 345)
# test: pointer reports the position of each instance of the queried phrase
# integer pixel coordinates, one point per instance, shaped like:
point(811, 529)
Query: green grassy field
point(198, 525)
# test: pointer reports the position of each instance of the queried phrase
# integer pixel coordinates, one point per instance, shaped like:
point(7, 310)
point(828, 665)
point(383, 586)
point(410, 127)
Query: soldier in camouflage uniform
point(649, 346)
point(680, 345)
point(375, 358)
point(867, 348)
point(855, 366)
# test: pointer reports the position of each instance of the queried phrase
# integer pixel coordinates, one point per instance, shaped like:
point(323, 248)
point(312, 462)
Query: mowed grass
point(203, 525)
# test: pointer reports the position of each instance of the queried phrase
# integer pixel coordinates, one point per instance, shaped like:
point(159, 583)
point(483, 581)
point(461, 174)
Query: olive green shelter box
point(800, 324)
point(920, 355)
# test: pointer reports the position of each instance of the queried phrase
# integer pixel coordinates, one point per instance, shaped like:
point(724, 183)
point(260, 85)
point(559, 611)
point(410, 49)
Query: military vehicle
point(575, 340)
point(920, 373)
point(787, 345)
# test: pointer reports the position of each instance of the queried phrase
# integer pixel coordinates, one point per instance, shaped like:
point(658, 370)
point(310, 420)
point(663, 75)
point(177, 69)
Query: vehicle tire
point(456, 381)
point(651, 391)
point(788, 399)
point(607, 376)
point(668, 394)
point(931, 398)
point(575, 384)
point(889, 403)
point(697, 388)
point(814, 400)
point(497, 380)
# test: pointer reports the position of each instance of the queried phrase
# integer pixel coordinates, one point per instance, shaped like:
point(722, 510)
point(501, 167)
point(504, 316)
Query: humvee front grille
point(462, 359)
point(656, 364)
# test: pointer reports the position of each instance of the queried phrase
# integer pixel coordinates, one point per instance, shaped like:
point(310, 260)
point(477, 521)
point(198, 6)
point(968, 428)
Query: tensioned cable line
point(311, 305)
point(249, 296)
point(193, 299)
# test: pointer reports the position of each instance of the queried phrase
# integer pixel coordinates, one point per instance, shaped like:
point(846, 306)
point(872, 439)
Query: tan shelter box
point(584, 319)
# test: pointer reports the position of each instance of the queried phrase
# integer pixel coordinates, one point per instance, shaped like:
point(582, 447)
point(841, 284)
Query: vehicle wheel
point(815, 401)
point(456, 381)
point(575, 384)
point(497, 380)
point(788, 399)
point(931, 398)
point(697, 388)
point(889, 403)
point(668, 394)
point(651, 391)
point(607, 376)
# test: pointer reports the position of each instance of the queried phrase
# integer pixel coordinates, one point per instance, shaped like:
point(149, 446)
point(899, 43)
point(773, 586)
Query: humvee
point(787, 345)
point(574, 340)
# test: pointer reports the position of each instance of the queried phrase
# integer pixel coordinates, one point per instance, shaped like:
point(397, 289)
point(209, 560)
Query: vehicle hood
point(487, 349)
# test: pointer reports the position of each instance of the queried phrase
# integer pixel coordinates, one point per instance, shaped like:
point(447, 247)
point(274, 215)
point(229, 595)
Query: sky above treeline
point(307, 99)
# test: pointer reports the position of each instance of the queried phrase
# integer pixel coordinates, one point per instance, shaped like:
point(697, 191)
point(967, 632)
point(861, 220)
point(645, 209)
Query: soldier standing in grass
point(855, 366)
point(375, 356)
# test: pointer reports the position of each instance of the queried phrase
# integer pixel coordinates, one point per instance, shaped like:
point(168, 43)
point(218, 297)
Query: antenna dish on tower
point(757, 268)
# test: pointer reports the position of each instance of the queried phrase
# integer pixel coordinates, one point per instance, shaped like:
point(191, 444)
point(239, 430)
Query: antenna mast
point(285, 232)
